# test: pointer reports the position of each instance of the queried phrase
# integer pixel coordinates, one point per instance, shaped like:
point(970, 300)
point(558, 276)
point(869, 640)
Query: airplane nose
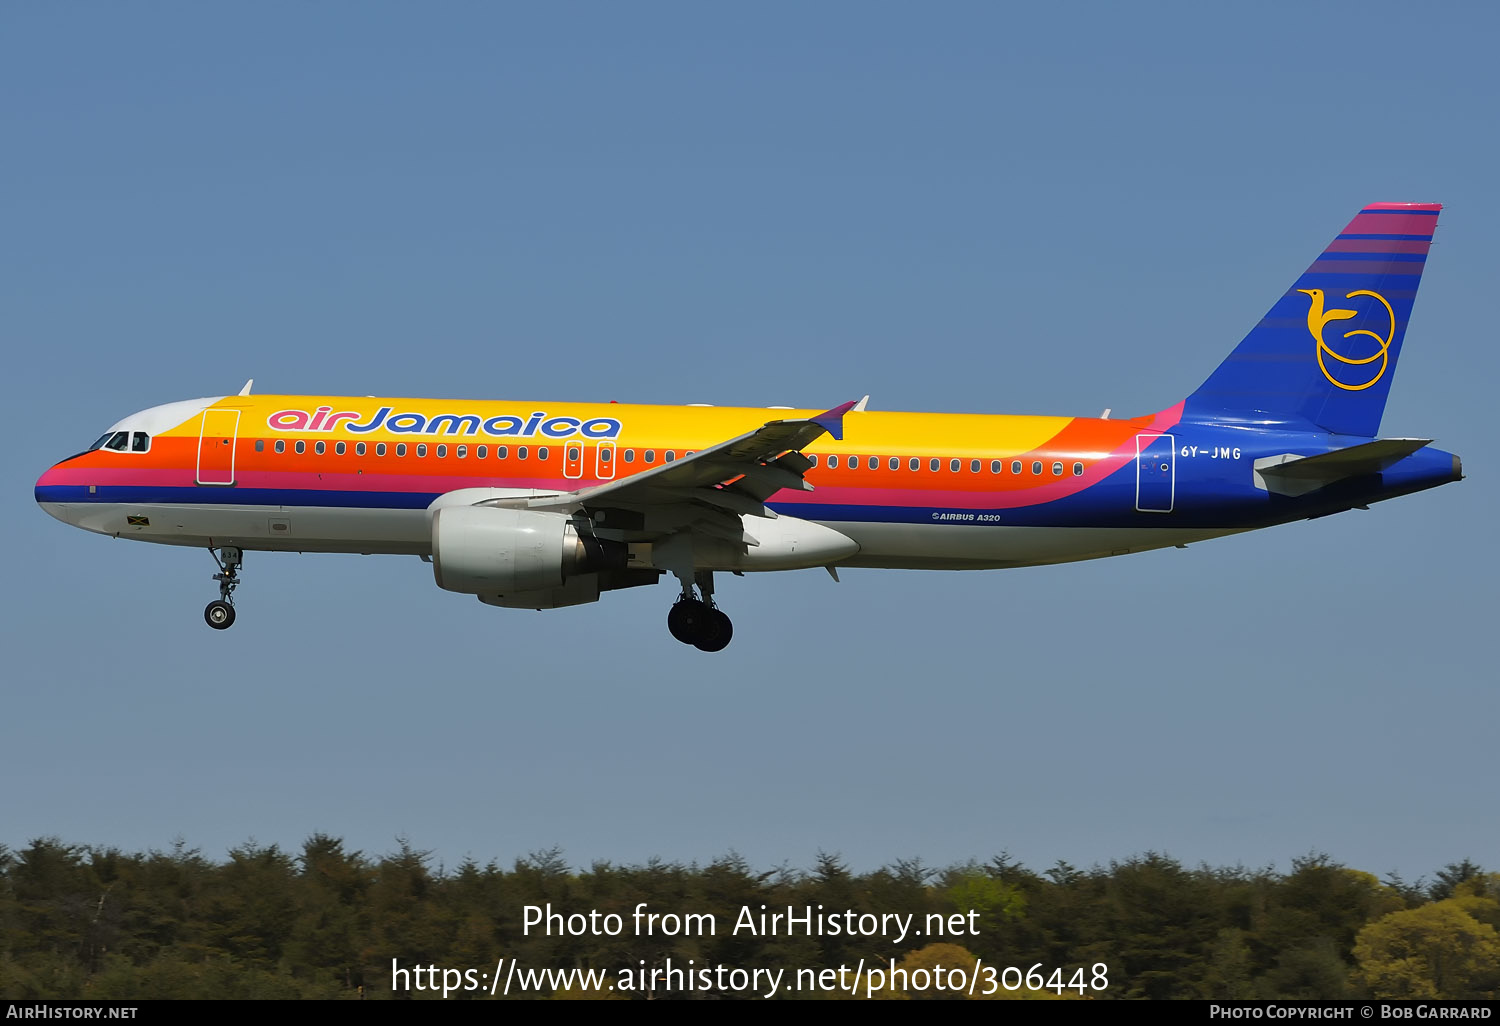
point(46, 483)
point(49, 493)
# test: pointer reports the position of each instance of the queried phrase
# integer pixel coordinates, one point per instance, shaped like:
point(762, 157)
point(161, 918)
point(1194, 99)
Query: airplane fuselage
point(912, 490)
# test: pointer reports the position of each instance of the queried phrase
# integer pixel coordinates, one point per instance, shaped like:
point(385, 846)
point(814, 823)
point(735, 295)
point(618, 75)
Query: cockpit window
point(123, 441)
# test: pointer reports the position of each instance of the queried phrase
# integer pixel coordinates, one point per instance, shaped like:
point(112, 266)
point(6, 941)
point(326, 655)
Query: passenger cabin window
point(629, 455)
point(318, 447)
point(359, 448)
point(934, 464)
point(462, 452)
point(442, 452)
point(853, 462)
point(895, 463)
point(520, 452)
point(379, 448)
point(340, 448)
point(605, 455)
point(280, 445)
point(421, 449)
point(1036, 466)
point(260, 445)
point(874, 463)
point(915, 464)
point(833, 462)
point(953, 465)
point(400, 448)
point(502, 452)
point(650, 455)
point(973, 466)
point(541, 452)
point(482, 451)
point(301, 447)
point(1078, 470)
point(1057, 470)
point(1015, 466)
point(995, 466)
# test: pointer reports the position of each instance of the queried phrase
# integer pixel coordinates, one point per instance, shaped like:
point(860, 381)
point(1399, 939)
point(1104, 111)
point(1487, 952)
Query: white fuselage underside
point(409, 532)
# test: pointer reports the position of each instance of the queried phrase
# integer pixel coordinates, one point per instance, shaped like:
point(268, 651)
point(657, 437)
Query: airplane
point(541, 505)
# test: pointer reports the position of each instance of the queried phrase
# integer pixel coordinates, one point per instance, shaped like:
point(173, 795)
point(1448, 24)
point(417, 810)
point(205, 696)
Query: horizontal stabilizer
point(1289, 474)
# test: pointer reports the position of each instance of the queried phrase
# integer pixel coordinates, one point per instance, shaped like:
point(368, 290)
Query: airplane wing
point(712, 487)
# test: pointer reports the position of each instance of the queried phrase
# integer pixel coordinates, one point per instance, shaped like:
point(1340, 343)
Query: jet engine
point(492, 550)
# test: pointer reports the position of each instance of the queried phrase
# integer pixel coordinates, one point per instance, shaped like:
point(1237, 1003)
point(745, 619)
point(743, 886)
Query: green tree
point(1450, 877)
point(330, 913)
point(1436, 951)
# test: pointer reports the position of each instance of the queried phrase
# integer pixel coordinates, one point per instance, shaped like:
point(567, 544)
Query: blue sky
point(961, 207)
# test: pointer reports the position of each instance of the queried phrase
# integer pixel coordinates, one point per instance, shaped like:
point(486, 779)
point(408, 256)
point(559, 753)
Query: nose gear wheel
point(219, 614)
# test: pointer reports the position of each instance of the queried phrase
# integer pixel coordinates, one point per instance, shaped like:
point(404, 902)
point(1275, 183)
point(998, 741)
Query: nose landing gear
point(698, 622)
point(220, 614)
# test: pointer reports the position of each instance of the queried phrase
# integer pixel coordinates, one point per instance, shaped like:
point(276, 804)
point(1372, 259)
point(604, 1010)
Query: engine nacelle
point(492, 550)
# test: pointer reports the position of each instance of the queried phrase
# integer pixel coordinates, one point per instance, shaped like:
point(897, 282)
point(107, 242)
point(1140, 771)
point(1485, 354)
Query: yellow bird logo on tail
point(1318, 318)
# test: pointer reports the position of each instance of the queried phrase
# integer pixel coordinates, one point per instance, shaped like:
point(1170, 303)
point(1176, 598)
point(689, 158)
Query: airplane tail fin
point(1326, 352)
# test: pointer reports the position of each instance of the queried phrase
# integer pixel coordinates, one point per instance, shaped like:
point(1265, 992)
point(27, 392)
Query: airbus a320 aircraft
point(541, 505)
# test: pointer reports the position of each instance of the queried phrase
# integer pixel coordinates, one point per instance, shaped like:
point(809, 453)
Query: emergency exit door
point(216, 437)
point(1155, 473)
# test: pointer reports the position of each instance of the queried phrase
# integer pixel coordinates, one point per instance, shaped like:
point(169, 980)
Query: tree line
point(80, 921)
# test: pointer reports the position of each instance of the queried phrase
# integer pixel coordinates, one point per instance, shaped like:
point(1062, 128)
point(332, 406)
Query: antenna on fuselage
point(246, 389)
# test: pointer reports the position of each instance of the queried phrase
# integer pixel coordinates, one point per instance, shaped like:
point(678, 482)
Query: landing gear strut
point(697, 621)
point(220, 614)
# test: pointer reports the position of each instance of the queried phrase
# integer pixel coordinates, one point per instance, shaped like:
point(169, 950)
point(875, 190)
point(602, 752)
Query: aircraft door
point(604, 461)
point(216, 437)
point(1155, 473)
point(573, 458)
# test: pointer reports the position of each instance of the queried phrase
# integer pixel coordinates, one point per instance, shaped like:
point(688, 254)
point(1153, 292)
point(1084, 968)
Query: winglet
point(246, 389)
point(832, 420)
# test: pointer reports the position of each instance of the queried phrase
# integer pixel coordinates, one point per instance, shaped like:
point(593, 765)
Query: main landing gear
point(220, 614)
point(698, 622)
